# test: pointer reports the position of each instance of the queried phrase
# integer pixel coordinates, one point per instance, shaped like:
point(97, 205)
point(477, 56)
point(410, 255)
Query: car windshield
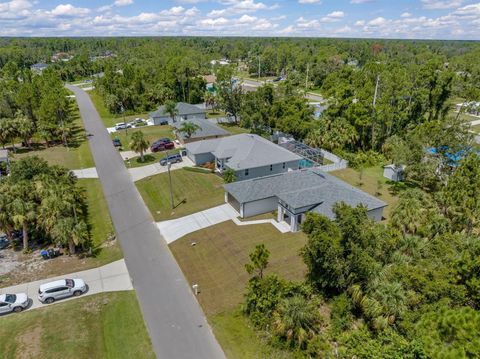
point(10, 298)
point(70, 283)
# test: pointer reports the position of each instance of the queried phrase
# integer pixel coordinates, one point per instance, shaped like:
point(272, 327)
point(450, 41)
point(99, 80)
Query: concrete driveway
point(138, 173)
point(176, 228)
point(109, 278)
point(86, 173)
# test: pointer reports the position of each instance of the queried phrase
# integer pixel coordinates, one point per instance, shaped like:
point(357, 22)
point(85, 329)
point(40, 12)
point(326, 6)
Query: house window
point(271, 167)
point(246, 172)
point(283, 165)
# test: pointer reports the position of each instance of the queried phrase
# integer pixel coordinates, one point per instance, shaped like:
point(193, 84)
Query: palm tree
point(25, 128)
point(23, 209)
point(189, 128)
point(138, 143)
point(171, 109)
point(297, 319)
point(5, 209)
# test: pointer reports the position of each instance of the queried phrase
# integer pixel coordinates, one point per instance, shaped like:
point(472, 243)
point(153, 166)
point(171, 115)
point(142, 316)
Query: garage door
point(234, 203)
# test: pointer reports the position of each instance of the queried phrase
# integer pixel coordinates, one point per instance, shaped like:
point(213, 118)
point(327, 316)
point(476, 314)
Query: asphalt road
point(175, 321)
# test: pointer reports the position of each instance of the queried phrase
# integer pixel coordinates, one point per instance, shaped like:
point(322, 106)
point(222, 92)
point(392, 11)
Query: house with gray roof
point(185, 111)
point(293, 194)
point(207, 130)
point(250, 156)
point(38, 67)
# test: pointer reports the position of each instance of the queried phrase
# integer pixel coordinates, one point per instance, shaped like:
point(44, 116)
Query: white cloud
point(360, 23)
point(405, 14)
point(123, 2)
point(441, 4)
point(310, 2)
point(333, 16)
point(68, 10)
point(360, 1)
point(379, 21)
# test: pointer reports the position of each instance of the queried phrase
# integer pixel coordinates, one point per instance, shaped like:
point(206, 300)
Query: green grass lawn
point(234, 129)
point(109, 120)
point(192, 192)
point(107, 325)
point(151, 134)
point(370, 179)
point(77, 155)
point(476, 128)
point(217, 261)
point(148, 159)
point(240, 340)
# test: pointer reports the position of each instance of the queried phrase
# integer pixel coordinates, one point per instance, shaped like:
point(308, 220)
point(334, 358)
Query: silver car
point(13, 302)
point(50, 292)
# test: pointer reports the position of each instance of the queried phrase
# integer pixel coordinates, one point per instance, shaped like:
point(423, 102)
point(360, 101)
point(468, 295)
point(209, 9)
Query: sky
point(411, 19)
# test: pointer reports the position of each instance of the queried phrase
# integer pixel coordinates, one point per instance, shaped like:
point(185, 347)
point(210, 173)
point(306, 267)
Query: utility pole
point(376, 91)
point(259, 68)
point(374, 104)
point(170, 180)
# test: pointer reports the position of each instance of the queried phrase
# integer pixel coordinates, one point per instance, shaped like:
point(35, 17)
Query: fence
point(337, 162)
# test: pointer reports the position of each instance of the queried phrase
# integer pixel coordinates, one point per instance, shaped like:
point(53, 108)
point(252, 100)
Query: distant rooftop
point(303, 188)
point(244, 151)
point(183, 109)
point(207, 128)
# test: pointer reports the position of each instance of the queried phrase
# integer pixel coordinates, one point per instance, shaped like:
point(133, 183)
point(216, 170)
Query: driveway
point(174, 319)
point(109, 278)
point(86, 173)
point(138, 173)
point(177, 228)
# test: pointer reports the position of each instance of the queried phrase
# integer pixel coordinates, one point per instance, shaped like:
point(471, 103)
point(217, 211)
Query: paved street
point(175, 321)
point(108, 278)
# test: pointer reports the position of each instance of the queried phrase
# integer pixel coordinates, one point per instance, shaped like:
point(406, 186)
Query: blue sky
point(429, 19)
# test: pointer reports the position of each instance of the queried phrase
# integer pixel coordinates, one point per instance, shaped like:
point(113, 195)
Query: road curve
point(175, 321)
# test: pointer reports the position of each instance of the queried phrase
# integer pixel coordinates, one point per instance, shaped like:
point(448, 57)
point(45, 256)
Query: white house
point(293, 194)
point(249, 155)
point(393, 172)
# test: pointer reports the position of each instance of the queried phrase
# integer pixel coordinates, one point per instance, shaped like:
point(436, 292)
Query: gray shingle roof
point(303, 188)
point(183, 110)
point(244, 151)
point(207, 128)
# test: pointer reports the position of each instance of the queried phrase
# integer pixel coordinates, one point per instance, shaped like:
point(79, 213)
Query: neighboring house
point(208, 130)
point(185, 112)
point(38, 67)
point(250, 156)
point(394, 173)
point(293, 194)
point(210, 80)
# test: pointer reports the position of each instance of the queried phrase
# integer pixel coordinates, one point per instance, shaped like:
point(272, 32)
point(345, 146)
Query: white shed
point(393, 172)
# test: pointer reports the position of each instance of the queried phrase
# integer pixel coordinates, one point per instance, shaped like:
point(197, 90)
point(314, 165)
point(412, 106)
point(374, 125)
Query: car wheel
point(17, 309)
point(77, 293)
point(49, 300)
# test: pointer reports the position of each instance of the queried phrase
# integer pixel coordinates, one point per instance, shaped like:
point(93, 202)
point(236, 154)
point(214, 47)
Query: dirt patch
point(29, 343)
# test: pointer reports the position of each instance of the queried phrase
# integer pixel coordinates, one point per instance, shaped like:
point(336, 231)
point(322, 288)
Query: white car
point(50, 292)
point(122, 126)
point(13, 302)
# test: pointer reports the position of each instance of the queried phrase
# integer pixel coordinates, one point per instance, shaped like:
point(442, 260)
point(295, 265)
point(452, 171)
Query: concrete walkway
point(109, 278)
point(139, 173)
point(177, 228)
point(86, 173)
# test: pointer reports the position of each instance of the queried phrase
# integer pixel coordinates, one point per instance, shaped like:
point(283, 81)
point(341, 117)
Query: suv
point(117, 142)
point(175, 158)
point(13, 302)
point(122, 126)
point(162, 145)
point(49, 292)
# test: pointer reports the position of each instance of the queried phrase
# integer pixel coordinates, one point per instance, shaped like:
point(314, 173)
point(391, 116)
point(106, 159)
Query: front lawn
point(369, 183)
point(107, 325)
point(151, 134)
point(109, 120)
point(217, 261)
point(148, 159)
point(76, 156)
point(192, 192)
point(233, 128)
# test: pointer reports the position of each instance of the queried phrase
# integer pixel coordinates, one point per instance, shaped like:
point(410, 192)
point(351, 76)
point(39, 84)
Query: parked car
point(13, 302)
point(175, 158)
point(162, 145)
point(116, 142)
point(122, 126)
point(4, 242)
point(50, 292)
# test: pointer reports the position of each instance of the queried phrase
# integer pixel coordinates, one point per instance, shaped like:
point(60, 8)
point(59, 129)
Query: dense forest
point(408, 287)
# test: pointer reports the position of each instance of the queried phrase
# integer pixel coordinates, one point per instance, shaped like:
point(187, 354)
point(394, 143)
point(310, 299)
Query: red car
point(162, 145)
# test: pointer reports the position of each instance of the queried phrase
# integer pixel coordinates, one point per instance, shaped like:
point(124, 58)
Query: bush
point(341, 314)
point(209, 165)
point(363, 159)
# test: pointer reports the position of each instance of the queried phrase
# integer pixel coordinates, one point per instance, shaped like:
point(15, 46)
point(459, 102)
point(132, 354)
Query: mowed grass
point(98, 326)
point(217, 261)
point(109, 120)
point(151, 134)
point(370, 178)
point(76, 156)
point(192, 192)
point(234, 129)
point(148, 158)
point(240, 340)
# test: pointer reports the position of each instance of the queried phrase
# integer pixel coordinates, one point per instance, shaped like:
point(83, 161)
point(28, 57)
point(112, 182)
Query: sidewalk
point(108, 278)
point(86, 173)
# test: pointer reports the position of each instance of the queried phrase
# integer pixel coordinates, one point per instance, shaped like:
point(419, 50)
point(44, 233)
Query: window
point(283, 165)
point(246, 172)
point(271, 167)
